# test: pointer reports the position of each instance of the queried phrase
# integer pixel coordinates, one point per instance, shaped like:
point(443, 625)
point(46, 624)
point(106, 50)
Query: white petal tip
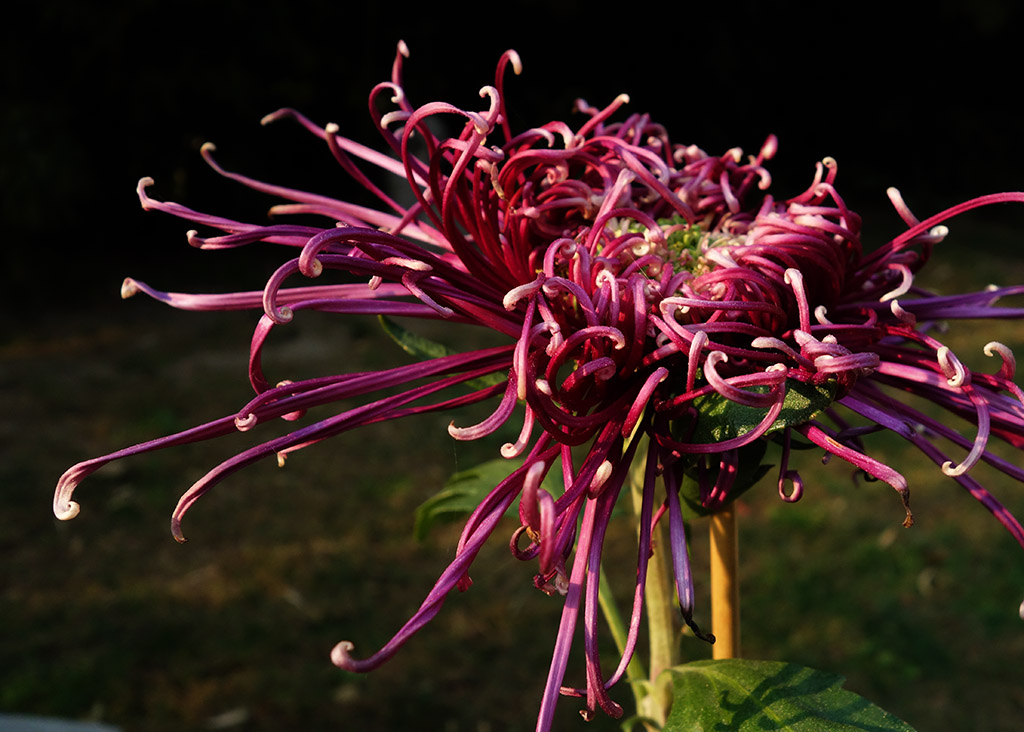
point(457, 433)
point(282, 315)
point(954, 470)
point(517, 63)
point(66, 512)
point(341, 654)
point(128, 288)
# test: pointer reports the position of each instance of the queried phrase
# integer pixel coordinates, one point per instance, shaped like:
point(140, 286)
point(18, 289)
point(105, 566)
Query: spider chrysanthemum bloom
point(655, 298)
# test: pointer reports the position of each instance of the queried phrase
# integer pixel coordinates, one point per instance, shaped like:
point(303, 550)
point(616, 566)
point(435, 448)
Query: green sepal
point(753, 696)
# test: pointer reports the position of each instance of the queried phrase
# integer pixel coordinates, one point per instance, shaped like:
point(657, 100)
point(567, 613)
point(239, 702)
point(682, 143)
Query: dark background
point(97, 96)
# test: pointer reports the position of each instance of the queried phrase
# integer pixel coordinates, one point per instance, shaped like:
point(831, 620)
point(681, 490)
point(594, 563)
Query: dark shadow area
point(96, 97)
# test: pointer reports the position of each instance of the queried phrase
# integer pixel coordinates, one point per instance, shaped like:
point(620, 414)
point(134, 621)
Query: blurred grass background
point(106, 617)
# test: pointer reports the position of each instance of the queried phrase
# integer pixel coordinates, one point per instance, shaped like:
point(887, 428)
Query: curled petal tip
point(66, 511)
point(207, 147)
point(403, 48)
point(282, 315)
point(332, 128)
point(315, 269)
point(341, 654)
point(128, 288)
point(140, 189)
point(510, 450)
point(64, 508)
point(954, 470)
point(517, 64)
point(954, 371)
point(390, 117)
point(276, 115)
point(994, 348)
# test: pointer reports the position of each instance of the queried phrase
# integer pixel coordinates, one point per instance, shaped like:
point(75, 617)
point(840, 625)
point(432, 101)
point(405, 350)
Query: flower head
point(654, 297)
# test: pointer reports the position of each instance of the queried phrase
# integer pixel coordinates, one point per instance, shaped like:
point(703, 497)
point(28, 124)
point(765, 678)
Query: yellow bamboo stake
point(725, 584)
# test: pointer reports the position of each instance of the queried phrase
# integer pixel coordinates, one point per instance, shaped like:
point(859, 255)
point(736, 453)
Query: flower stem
point(725, 586)
point(662, 626)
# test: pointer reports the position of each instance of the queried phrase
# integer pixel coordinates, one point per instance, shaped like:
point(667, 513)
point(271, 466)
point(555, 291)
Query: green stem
point(662, 623)
point(662, 627)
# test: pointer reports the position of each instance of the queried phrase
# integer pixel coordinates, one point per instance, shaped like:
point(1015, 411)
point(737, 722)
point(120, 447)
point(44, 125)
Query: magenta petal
point(629, 288)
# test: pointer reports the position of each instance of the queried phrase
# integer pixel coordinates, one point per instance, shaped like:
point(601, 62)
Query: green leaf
point(425, 349)
point(752, 696)
point(720, 419)
point(413, 343)
point(465, 490)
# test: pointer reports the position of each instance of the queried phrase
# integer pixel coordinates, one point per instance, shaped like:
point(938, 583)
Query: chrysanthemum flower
point(654, 298)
